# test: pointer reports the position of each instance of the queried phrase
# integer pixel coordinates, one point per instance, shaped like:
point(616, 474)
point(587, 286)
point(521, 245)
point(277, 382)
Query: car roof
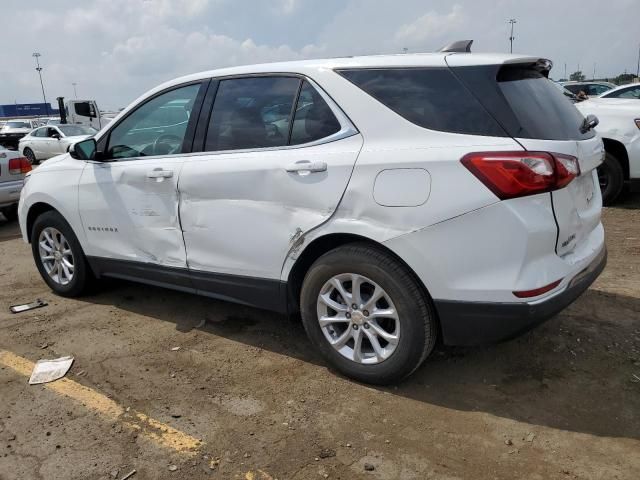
point(622, 87)
point(368, 61)
point(586, 82)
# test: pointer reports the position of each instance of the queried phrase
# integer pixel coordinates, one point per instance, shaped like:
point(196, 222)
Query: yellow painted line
point(156, 431)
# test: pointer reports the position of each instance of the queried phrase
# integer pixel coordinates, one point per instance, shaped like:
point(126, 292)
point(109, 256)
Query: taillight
point(19, 166)
point(518, 174)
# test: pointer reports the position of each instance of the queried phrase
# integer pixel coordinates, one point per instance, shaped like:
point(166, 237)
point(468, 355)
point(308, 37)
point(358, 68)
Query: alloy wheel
point(56, 255)
point(358, 318)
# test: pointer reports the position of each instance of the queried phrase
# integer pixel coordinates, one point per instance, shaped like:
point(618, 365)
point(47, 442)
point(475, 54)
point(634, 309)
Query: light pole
point(75, 94)
point(36, 55)
point(638, 69)
point(512, 21)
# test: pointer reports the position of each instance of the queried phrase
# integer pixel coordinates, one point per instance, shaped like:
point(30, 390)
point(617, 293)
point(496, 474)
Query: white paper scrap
point(49, 370)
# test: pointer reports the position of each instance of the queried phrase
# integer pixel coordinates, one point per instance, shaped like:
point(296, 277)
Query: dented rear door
point(241, 212)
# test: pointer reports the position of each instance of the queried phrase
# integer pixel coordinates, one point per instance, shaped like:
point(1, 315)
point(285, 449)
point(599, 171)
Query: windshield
point(74, 130)
point(18, 125)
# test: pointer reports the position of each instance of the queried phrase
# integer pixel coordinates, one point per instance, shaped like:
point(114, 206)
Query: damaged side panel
point(241, 212)
point(127, 215)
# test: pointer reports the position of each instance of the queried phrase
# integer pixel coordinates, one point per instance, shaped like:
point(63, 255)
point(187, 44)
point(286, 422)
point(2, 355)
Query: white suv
point(391, 200)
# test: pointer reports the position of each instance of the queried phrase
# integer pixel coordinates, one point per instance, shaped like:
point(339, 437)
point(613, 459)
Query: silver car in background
point(13, 168)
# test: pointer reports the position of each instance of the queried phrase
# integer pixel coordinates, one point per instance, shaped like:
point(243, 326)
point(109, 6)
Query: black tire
point(418, 326)
point(10, 213)
point(83, 277)
point(611, 179)
point(30, 156)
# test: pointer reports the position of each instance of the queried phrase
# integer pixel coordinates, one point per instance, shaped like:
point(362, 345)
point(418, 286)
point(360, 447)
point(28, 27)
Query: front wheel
point(59, 256)
point(367, 314)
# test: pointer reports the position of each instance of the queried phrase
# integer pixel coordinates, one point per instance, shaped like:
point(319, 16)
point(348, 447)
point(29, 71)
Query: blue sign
point(28, 110)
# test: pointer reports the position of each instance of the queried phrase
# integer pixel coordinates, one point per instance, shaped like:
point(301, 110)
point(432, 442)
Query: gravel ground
point(562, 401)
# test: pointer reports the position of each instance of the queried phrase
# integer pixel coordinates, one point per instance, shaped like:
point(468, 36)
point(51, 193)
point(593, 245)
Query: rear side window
point(313, 119)
point(252, 112)
point(432, 98)
point(574, 88)
point(539, 109)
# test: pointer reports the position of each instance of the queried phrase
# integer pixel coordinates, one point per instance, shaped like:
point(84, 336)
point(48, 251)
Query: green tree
point(624, 78)
point(577, 76)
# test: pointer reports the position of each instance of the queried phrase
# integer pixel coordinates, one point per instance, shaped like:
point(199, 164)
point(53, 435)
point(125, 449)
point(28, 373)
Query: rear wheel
point(59, 256)
point(611, 178)
point(10, 213)
point(30, 156)
point(367, 314)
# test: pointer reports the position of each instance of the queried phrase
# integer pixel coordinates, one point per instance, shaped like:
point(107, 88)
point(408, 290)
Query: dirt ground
point(560, 402)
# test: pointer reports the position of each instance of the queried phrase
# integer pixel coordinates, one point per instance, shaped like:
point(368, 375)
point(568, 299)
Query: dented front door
point(129, 210)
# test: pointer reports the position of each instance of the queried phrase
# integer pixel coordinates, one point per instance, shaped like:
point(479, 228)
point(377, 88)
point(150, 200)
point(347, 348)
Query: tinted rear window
point(524, 102)
point(429, 97)
point(542, 111)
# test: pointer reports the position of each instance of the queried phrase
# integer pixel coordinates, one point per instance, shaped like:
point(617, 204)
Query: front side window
point(252, 113)
point(158, 127)
point(40, 132)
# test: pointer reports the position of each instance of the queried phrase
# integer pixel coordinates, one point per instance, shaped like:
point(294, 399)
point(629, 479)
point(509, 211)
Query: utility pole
point(75, 94)
point(638, 69)
point(594, 72)
point(565, 71)
point(36, 55)
point(512, 21)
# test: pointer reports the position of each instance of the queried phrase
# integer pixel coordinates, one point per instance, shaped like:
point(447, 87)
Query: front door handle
point(159, 174)
point(305, 167)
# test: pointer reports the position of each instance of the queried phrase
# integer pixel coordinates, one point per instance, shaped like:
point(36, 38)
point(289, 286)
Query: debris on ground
point(173, 468)
point(46, 371)
point(175, 349)
point(530, 437)
point(114, 473)
point(508, 441)
point(129, 475)
point(27, 306)
point(369, 467)
point(327, 453)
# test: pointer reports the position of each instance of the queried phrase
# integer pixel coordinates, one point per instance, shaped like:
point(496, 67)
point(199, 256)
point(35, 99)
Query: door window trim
point(187, 143)
point(347, 128)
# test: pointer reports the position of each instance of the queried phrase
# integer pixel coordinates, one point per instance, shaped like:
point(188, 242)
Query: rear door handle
point(305, 167)
point(159, 174)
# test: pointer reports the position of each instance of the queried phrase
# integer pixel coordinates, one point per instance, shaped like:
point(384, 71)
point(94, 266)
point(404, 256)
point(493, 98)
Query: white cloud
point(430, 26)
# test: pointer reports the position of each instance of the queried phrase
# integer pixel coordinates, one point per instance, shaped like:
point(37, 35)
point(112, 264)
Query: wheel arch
point(619, 151)
point(34, 212)
point(321, 245)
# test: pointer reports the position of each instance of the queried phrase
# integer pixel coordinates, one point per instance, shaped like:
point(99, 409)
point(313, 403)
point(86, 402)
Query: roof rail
point(460, 46)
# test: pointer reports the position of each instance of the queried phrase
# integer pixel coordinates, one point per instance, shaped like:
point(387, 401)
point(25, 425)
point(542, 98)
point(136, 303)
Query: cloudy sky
point(117, 49)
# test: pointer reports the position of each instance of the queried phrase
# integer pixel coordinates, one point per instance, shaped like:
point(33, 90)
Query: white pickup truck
point(83, 112)
point(619, 128)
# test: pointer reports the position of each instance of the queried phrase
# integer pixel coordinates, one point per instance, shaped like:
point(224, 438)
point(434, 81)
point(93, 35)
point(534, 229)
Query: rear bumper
point(477, 323)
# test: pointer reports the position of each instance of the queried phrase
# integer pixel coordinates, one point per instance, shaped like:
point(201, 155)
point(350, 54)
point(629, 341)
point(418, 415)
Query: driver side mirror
point(55, 135)
point(84, 150)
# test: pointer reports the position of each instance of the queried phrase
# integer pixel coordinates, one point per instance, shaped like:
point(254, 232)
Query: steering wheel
point(167, 140)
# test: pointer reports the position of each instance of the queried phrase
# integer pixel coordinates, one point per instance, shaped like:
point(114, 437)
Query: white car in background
point(390, 200)
point(631, 91)
point(51, 140)
point(619, 128)
point(591, 89)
